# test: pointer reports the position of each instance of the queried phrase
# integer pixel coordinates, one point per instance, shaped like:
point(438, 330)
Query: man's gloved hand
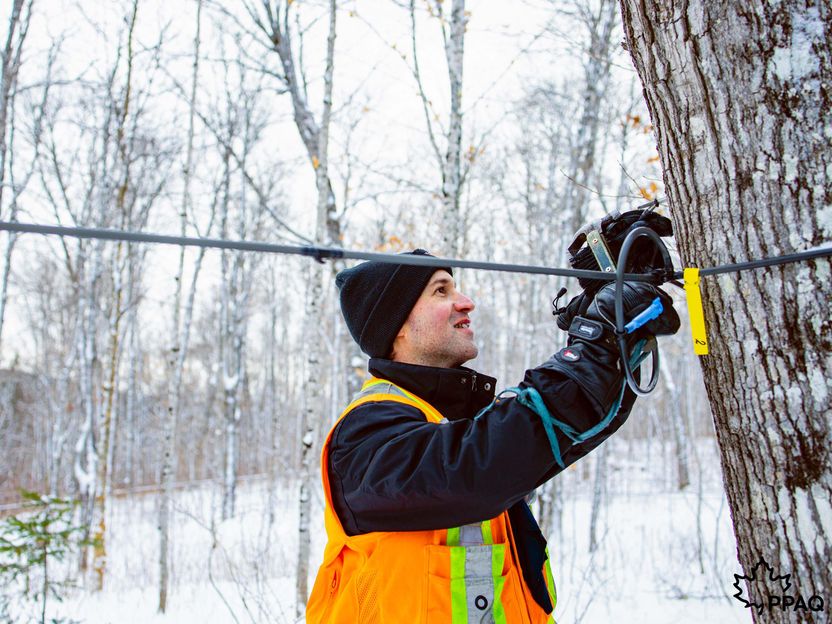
point(591, 317)
point(592, 357)
point(576, 307)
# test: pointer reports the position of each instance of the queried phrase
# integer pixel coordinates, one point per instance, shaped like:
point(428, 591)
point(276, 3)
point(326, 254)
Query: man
point(426, 473)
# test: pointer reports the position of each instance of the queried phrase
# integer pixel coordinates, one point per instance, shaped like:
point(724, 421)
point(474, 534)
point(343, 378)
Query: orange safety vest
point(459, 575)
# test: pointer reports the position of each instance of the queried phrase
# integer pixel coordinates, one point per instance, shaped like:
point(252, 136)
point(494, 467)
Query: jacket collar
point(455, 392)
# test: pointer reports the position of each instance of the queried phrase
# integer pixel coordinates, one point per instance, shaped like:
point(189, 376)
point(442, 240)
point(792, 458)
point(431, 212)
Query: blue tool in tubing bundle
point(618, 243)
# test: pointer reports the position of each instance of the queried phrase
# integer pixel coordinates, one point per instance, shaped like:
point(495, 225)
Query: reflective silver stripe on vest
point(471, 535)
point(479, 584)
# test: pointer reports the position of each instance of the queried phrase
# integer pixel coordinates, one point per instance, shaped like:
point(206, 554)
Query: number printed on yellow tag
point(695, 312)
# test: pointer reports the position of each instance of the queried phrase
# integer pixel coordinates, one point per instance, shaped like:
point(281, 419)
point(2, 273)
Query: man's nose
point(464, 303)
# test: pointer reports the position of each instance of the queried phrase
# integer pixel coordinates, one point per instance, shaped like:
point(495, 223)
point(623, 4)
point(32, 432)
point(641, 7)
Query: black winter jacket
point(391, 470)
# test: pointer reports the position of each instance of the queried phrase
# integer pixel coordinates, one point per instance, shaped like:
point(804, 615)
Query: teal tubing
point(530, 398)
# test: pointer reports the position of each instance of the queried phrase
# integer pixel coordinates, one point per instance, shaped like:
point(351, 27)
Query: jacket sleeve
point(391, 470)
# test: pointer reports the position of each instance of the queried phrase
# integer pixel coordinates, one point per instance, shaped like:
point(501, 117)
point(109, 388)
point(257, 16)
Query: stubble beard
point(463, 352)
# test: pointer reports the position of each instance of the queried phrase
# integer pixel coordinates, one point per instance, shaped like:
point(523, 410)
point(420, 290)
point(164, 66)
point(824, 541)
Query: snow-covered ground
point(663, 556)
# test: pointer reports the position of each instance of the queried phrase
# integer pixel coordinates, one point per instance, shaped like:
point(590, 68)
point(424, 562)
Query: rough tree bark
point(740, 96)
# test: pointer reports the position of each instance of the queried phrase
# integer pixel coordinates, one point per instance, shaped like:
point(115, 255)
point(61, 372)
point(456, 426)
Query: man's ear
point(402, 335)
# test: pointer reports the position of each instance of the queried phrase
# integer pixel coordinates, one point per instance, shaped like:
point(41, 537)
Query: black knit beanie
point(377, 297)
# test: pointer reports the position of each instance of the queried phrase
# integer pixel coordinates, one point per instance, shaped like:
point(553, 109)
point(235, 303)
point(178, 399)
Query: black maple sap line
point(321, 253)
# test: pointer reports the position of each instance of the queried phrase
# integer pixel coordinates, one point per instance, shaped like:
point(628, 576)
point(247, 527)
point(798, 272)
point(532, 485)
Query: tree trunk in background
point(109, 387)
point(9, 67)
point(740, 97)
point(179, 339)
point(314, 408)
point(598, 491)
point(671, 373)
point(84, 469)
point(106, 425)
point(451, 174)
point(598, 26)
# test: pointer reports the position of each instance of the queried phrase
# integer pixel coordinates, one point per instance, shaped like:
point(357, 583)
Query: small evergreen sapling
point(30, 543)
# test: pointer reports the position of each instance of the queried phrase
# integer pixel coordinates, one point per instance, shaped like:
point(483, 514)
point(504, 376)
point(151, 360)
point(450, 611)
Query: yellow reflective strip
point(453, 537)
point(430, 412)
point(372, 383)
point(459, 600)
point(695, 312)
point(550, 584)
point(498, 554)
point(426, 407)
point(487, 537)
point(370, 398)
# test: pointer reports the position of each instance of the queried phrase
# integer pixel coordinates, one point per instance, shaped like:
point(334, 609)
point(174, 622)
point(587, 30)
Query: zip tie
point(695, 311)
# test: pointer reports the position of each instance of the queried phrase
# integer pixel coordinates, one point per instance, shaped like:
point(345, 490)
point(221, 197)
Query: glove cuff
point(589, 330)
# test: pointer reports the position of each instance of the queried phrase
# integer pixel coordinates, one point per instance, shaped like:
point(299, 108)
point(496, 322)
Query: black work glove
point(599, 309)
point(636, 297)
point(577, 306)
point(592, 357)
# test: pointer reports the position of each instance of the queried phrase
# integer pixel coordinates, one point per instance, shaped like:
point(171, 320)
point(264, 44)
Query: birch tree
point(739, 96)
point(597, 24)
point(10, 61)
point(448, 156)
point(108, 387)
point(272, 22)
point(273, 28)
point(243, 123)
point(104, 167)
point(314, 404)
point(180, 334)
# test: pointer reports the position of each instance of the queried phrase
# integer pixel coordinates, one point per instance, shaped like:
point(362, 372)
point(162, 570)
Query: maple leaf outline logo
point(781, 582)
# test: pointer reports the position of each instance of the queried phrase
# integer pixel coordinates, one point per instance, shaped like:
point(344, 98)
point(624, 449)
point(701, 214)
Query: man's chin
point(468, 356)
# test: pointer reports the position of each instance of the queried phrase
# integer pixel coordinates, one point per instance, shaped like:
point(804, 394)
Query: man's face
point(437, 332)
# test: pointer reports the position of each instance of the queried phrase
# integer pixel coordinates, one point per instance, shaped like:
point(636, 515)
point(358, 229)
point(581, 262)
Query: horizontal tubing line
point(315, 252)
point(767, 262)
point(337, 253)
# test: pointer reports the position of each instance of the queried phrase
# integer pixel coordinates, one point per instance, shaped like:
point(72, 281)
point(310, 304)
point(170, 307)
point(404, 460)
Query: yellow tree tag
point(695, 312)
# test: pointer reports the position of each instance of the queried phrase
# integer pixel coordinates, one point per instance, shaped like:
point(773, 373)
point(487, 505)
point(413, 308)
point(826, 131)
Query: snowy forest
point(162, 408)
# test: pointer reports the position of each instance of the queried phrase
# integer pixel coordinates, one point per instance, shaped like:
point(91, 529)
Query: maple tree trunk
point(739, 94)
